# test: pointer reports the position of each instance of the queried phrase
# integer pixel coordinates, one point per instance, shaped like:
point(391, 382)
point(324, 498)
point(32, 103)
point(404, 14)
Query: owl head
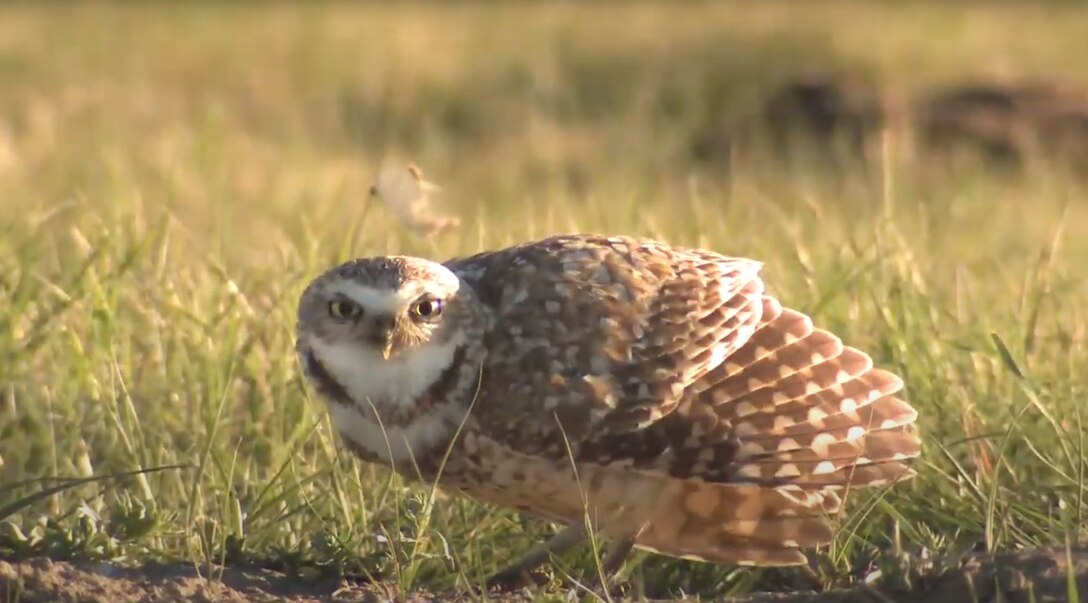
point(389, 306)
point(393, 345)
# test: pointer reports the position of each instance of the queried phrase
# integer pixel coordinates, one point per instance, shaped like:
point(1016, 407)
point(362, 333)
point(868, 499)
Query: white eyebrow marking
point(386, 301)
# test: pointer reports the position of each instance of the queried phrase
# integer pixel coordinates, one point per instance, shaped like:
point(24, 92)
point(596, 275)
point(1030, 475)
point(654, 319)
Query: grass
point(171, 177)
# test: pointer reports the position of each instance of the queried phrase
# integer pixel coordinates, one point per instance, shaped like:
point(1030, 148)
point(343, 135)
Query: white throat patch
point(375, 383)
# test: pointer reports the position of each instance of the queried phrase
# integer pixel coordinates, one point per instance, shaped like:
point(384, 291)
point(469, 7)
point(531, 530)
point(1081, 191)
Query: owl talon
point(508, 580)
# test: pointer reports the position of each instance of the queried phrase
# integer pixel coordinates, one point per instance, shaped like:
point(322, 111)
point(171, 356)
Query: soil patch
point(1041, 575)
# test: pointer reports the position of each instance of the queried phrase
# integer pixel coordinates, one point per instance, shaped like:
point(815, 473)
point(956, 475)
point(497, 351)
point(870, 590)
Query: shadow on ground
point(1041, 575)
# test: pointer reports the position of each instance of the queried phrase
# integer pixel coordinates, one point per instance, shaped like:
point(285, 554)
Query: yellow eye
point(427, 309)
point(344, 310)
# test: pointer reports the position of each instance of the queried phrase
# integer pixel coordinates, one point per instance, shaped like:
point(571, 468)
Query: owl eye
point(427, 309)
point(342, 309)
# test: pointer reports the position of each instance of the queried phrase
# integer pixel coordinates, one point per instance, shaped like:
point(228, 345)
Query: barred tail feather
point(743, 525)
point(809, 411)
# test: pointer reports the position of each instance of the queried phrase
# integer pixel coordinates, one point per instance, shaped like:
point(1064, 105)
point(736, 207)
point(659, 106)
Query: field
point(172, 175)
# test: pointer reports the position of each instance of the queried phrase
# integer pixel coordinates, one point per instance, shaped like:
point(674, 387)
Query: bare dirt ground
point(1013, 577)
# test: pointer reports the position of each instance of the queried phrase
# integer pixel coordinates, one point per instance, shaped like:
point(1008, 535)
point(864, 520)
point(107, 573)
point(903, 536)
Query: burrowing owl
point(661, 389)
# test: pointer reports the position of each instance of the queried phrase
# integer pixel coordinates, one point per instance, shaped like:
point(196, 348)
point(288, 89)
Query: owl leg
point(514, 573)
point(617, 554)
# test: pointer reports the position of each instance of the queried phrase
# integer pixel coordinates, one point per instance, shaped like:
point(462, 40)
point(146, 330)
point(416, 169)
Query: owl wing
point(628, 352)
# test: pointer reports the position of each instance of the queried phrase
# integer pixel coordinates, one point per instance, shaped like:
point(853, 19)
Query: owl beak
point(382, 335)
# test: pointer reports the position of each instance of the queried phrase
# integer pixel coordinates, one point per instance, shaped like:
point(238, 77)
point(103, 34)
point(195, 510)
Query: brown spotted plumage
point(662, 387)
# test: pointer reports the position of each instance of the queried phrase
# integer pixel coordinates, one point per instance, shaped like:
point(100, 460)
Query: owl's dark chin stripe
point(446, 382)
point(326, 384)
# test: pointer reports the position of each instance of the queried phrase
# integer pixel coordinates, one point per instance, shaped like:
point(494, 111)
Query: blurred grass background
point(172, 174)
